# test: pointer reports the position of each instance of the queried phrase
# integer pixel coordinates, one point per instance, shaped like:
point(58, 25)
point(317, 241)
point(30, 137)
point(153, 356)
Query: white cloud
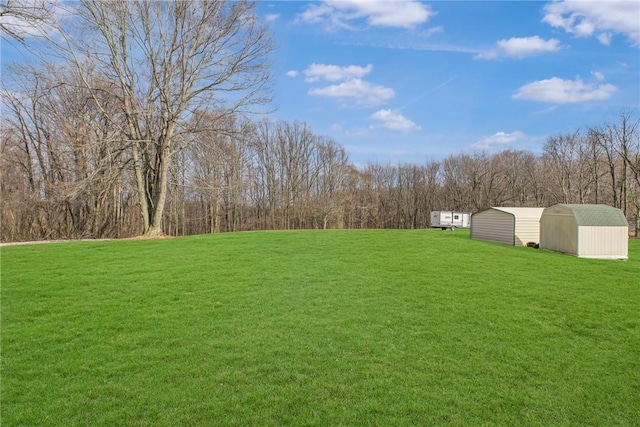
point(394, 120)
point(314, 13)
point(351, 84)
point(432, 31)
point(334, 73)
point(388, 13)
point(521, 47)
point(559, 91)
point(605, 38)
point(598, 75)
point(547, 110)
point(292, 73)
point(499, 140)
point(271, 17)
point(364, 93)
point(600, 18)
point(526, 46)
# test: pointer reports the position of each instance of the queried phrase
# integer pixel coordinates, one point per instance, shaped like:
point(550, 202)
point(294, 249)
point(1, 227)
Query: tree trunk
point(156, 200)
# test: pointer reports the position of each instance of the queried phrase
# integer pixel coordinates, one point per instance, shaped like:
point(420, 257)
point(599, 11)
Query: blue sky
point(408, 81)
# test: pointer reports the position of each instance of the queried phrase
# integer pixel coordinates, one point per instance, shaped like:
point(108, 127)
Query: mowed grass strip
point(350, 327)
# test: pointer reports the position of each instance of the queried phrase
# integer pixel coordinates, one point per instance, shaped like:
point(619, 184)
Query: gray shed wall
point(494, 226)
point(559, 231)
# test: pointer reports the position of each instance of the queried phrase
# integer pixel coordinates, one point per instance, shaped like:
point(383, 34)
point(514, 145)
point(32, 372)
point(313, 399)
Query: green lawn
point(321, 328)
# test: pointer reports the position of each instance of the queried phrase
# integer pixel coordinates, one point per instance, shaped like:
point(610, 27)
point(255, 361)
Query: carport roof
point(521, 212)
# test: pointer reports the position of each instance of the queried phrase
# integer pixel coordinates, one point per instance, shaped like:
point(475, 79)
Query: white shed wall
point(527, 230)
point(603, 242)
point(494, 226)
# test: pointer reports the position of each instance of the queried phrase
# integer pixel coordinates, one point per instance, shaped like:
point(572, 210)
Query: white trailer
point(450, 219)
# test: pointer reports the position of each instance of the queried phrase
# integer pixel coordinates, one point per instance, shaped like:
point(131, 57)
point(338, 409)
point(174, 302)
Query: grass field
point(324, 328)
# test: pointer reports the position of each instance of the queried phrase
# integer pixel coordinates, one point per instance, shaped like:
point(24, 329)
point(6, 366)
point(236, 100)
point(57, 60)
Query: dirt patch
point(37, 242)
point(149, 237)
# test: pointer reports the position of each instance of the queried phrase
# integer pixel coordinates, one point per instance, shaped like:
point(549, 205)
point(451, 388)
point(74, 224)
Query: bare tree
point(22, 18)
point(518, 178)
point(567, 161)
point(333, 172)
point(69, 164)
point(595, 164)
point(171, 60)
point(627, 142)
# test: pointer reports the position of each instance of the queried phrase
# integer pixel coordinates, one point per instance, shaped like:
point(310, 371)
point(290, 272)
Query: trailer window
point(456, 217)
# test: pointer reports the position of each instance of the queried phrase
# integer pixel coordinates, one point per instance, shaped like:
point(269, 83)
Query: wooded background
point(58, 181)
point(141, 123)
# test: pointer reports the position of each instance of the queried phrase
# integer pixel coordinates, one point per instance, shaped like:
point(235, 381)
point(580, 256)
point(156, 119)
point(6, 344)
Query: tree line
point(142, 125)
point(277, 175)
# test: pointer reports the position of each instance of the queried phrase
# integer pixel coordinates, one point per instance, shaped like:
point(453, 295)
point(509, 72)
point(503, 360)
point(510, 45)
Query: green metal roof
point(597, 215)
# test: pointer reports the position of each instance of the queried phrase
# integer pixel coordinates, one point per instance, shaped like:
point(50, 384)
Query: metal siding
point(527, 223)
point(493, 225)
point(527, 230)
point(559, 231)
point(603, 242)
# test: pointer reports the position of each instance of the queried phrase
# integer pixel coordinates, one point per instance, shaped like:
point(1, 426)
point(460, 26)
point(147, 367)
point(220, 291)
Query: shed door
point(494, 226)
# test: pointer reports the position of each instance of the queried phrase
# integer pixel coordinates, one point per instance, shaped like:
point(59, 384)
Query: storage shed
point(512, 226)
point(589, 231)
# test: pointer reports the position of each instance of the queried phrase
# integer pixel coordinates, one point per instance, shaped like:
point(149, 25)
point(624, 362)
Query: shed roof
point(597, 215)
